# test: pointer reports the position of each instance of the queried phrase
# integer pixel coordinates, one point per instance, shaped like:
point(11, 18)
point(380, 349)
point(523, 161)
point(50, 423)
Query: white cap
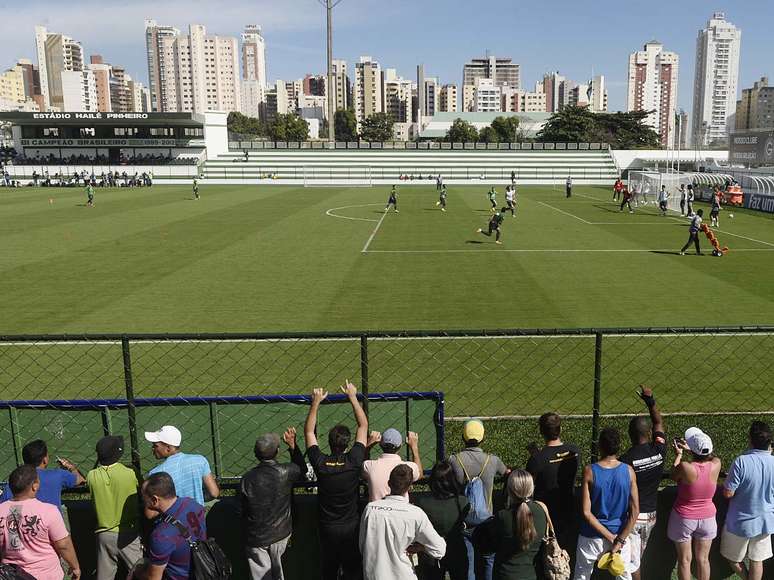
point(167, 434)
point(698, 441)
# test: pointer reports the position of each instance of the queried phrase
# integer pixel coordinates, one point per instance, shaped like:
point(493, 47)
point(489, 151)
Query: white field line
point(564, 212)
point(549, 251)
point(373, 233)
point(608, 415)
point(331, 213)
point(722, 232)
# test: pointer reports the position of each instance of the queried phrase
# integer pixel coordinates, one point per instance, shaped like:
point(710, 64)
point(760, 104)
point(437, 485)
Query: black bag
point(208, 561)
point(13, 572)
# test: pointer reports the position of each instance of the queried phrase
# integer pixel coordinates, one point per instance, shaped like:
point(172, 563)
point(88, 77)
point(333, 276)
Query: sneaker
point(437, 203)
point(498, 242)
point(682, 253)
point(479, 231)
point(443, 209)
point(396, 211)
point(631, 211)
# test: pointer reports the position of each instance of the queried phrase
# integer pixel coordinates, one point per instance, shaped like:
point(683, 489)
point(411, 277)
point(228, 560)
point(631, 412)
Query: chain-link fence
point(221, 390)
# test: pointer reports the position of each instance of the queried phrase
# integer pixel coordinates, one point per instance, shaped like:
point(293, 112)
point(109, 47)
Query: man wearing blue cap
point(376, 472)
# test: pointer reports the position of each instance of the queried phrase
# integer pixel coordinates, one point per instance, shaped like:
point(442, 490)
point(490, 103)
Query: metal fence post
point(130, 406)
point(364, 370)
point(597, 394)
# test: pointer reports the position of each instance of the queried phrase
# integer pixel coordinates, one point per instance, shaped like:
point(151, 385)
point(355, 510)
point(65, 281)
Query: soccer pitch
point(284, 258)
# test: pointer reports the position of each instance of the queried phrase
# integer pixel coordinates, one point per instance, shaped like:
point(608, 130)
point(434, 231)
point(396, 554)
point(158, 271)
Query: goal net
point(337, 176)
point(646, 185)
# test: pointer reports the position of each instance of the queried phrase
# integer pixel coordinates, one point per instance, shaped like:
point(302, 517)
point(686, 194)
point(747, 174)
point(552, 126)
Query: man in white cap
point(376, 472)
point(190, 472)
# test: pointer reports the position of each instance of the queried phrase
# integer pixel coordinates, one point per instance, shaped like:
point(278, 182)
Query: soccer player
point(693, 233)
point(568, 186)
point(492, 200)
point(663, 198)
point(689, 200)
point(645, 192)
point(627, 199)
point(196, 188)
point(442, 198)
point(510, 199)
point(393, 201)
point(90, 195)
point(513, 178)
point(439, 182)
point(715, 210)
point(494, 225)
point(682, 199)
point(617, 189)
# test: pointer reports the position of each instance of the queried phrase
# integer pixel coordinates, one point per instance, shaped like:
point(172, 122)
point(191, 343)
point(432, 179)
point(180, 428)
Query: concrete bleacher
point(358, 166)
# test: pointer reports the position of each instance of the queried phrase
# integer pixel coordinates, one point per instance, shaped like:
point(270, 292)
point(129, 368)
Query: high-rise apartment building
point(253, 55)
point(56, 54)
point(652, 86)
point(431, 97)
point(367, 91)
point(502, 71)
point(592, 95)
point(716, 80)
point(397, 96)
point(755, 110)
point(342, 84)
point(102, 73)
point(79, 91)
point(557, 90)
point(314, 85)
point(488, 96)
point(447, 100)
point(192, 73)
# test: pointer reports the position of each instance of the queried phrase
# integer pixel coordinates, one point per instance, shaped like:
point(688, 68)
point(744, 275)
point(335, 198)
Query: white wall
point(215, 132)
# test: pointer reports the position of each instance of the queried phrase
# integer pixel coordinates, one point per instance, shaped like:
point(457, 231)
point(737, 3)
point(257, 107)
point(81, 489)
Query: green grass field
point(247, 258)
point(281, 258)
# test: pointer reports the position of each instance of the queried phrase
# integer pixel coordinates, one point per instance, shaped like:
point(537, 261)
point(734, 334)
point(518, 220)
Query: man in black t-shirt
point(554, 468)
point(338, 477)
point(646, 456)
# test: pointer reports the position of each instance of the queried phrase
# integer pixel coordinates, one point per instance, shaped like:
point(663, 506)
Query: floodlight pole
point(329, 5)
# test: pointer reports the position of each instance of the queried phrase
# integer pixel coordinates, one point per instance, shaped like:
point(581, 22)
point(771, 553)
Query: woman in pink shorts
point(692, 520)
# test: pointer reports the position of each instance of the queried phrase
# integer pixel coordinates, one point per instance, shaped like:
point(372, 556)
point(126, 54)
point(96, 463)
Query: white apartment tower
point(716, 80)
point(341, 80)
point(56, 54)
point(192, 73)
point(253, 55)
point(447, 100)
point(652, 86)
point(367, 92)
point(397, 96)
point(79, 91)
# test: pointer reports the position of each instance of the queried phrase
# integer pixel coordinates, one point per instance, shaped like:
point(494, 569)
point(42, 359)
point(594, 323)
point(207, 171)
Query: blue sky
point(569, 36)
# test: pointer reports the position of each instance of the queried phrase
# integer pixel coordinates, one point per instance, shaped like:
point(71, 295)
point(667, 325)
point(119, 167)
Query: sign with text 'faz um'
point(759, 202)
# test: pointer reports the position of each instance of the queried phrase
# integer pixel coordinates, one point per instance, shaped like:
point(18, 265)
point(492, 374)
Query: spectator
point(446, 507)
point(750, 519)
point(646, 456)
point(265, 493)
point(113, 488)
point(610, 508)
point(692, 520)
point(338, 479)
point(175, 521)
point(52, 481)
point(391, 529)
point(33, 535)
point(190, 472)
point(519, 530)
point(469, 464)
point(554, 469)
point(376, 472)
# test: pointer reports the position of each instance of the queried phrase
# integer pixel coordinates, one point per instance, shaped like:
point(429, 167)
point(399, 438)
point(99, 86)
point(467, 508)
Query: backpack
point(208, 561)
point(476, 495)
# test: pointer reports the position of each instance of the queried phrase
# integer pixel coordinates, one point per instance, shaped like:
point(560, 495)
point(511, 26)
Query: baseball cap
point(167, 434)
point(392, 437)
point(473, 430)
point(613, 563)
point(698, 441)
point(110, 449)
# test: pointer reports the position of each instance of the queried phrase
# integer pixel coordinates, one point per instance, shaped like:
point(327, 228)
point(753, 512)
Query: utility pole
point(331, 89)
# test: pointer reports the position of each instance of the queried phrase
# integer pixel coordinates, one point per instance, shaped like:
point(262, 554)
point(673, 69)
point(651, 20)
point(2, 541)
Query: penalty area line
point(547, 251)
point(564, 212)
point(373, 233)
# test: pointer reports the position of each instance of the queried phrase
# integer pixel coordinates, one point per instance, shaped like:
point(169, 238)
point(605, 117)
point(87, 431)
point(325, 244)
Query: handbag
point(555, 559)
point(13, 572)
point(208, 561)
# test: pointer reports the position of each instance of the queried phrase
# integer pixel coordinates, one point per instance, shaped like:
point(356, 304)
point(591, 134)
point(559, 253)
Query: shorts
point(511, 204)
point(714, 213)
point(682, 529)
point(736, 548)
point(639, 537)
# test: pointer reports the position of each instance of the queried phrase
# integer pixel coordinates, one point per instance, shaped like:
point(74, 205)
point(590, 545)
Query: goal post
point(359, 176)
point(646, 186)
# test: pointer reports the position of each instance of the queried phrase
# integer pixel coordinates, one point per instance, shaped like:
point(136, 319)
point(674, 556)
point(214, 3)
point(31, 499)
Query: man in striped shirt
point(693, 233)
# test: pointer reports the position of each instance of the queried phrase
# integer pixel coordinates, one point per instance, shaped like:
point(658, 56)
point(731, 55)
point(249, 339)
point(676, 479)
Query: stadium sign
point(759, 202)
point(99, 143)
point(90, 116)
point(752, 148)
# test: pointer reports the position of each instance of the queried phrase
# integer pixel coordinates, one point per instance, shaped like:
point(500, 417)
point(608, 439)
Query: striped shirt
point(695, 224)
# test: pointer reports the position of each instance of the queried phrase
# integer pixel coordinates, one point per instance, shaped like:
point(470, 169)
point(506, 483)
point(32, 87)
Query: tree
point(289, 127)
point(488, 135)
point(377, 127)
point(462, 132)
point(620, 130)
point(570, 125)
point(246, 126)
point(346, 125)
point(507, 129)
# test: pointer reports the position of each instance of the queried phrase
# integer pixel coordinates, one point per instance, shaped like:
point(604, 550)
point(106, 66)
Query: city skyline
point(295, 40)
